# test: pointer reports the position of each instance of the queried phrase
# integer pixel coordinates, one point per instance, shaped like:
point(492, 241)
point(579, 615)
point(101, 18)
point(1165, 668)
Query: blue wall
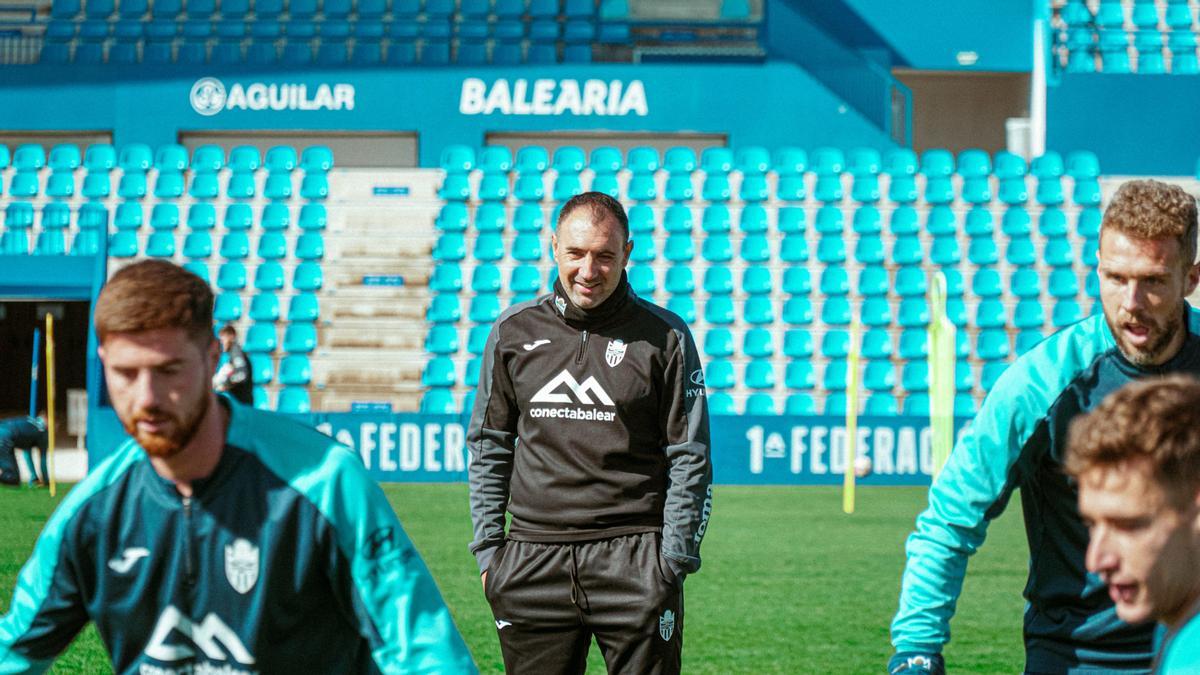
point(928, 35)
point(764, 104)
point(746, 449)
point(1136, 124)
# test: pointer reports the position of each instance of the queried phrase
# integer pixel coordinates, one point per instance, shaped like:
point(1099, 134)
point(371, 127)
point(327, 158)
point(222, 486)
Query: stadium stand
point(1126, 36)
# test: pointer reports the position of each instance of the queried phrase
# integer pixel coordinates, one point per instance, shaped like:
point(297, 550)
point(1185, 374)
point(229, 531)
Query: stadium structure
point(367, 184)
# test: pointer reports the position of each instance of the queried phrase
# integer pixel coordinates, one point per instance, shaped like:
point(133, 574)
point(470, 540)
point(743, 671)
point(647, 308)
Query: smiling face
point(1143, 283)
point(591, 253)
point(1141, 545)
point(160, 384)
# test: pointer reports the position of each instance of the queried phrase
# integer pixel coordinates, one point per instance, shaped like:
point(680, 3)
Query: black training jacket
point(590, 424)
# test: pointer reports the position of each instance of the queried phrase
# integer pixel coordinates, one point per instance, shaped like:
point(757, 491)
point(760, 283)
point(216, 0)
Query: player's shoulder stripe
point(522, 306)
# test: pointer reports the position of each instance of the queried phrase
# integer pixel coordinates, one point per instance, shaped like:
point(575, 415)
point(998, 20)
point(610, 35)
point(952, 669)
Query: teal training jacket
point(1017, 441)
point(287, 559)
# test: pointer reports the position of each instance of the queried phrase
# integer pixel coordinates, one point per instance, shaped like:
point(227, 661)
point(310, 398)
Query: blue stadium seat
point(1066, 312)
point(983, 251)
point(758, 311)
point(979, 222)
point(758, 343)
point(1063, 283)
point(876, 312)
point(901, 166)
point(913, 313)
point(835, 344)
point(484, 309)
point(1087, 223)
point(876, 344)
point(718, 310)
point(262, 368)
point(719, 374)
point(444, 308)
point(757, 281)
point(439, 372)
point(794, 248)
point(442, 339)
point(881, 403)
point(835, 311)
point(265, 307)
point(271, 245)
point(526, 279)
point(760, 404)
point(990, 373)
point(1025, 283)
point(678, 218)
point(831, 249)
point(755, 249)
point(834, 377)
point(835, 281)
point(718, 343)
point(235, 246)
point(907, 250)
point(720, 403)
point(938, 166)
point(1026, 340)
point(450, 247)
point(797, 281)
point(477, 339)
point(303, 307)
point(262, 338)
point(489, 247)
point(641, 280)
point(1020, 251)
point(872, 281)
point(293, 400)
point(717, 248)
point(198, 245)
point(990, 314)
point(295, 369)
point(486, 279)
point(1029, 313)
point(992, 345)
point(268, 276)
point(904, 222)
point(643, 248)
point(797, 344)
point(759, 374)
point(914, 377)
point(679, 248)
point(835, 404)
point(910, 282)
point(986, 283)
point(1058, 252)
point(798, 311)
point(684, 307)
point(945, 251)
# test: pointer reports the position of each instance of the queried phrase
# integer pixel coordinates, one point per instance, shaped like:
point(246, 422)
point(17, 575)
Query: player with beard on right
point(1147, 267)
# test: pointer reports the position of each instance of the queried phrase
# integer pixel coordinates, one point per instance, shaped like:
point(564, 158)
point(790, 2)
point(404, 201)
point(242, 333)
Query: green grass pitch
point(789, 584)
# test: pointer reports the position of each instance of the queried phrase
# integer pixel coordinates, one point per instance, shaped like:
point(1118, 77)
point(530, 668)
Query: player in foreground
point(23, 433)
point(590, 428)
point(1136, 458)
point(1146, 269)
point(219, 538)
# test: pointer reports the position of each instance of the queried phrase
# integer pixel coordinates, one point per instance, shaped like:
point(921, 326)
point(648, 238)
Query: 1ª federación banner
point(746, 449)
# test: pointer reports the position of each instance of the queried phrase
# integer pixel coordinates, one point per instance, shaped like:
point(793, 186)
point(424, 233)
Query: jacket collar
point(584, 318)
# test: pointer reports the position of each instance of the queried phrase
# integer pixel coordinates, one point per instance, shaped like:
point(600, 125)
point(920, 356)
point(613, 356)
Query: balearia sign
point(553, 97)
point(209, 96)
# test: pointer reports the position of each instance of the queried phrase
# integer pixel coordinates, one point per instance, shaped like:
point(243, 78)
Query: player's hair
point(600, 204)
point(1151, 209)
point(155, 294)
point(227, 330)
point(1156, 420)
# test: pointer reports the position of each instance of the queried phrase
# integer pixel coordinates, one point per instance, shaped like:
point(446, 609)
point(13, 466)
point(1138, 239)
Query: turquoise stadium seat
point(876, 312)
point(792, 220)
point(442, 339)
point(643, 249)
point(831, 249)
point(879, 376)
point(755, 249)
point(760, 404)
point(262, 368)
point(310, 246)
point(876, 344)
point(717, 248)
point(1026, 340)
point(836, 312)
point(759, 374)
point(797, 281)
point(161, 245)
point(438, 401)
point(679, 248)
point(798, 311)
point(983, 251)
point(1066, 312)
point(235, 246)
point(303, 307)
point(800, 375)
point(1053, 223)
point(900, 164)
point(835, 281)
point(484, 309)
point(123, 244)
point(979, 222)
point(641, 280)
point(295, 369)
point(835, 344)
point(477, 339)
point(719, 374)
point(444, 308)
point(308, 276)
point(641, 219)
point(913, 313)
point(525, 279)
point(452, 218)
point(872, 281)
point(262, 338)
point(268, 276)
point(678, 218)
point(758, 310)
point(869, 250)
point(880, 403)
point(1063, 283)
point(757, 281)
point(992, 345)
point(451, 247)
point(271, 245)
point(758, 343)
point(867, 220)
point(294, 400)
point(916, 404)
point(1020, 251)
point(797, 344)
point(1025, 283)
point(264, 307)
point(910, 282)
point(227, 307)
point(1029, 313)
point(904, 222)
point(718, 343)
point(989, 313)
point(835, 404)
point(794, 248)
point(684, 307)
point(907, 250)
point(829, 220)
point(486, 279)
point(835, 375)
point(720, 403)
point(446, 278)
point(1057, 252)
point(1087, 223)
point(914, 344)
point(986, 283)
point(718, 310)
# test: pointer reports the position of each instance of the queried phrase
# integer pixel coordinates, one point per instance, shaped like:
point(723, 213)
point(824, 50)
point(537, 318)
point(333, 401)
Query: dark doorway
point(18, 319)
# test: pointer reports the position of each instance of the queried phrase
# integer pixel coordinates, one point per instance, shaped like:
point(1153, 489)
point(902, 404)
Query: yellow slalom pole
point(941, 374)
point(851, 419)
point(50, 402)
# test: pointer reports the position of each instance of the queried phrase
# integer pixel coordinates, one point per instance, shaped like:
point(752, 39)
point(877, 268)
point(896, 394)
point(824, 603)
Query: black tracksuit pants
point(550, 599)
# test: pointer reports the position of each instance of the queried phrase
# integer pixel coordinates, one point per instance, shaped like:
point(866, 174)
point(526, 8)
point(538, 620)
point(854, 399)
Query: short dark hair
point(154, 294)
point(600, 204)
point(1156, 420)
point(227, 329)
point(1151, 209)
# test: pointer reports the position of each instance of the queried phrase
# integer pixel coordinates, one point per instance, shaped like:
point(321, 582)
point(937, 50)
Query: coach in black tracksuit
point(590, 428)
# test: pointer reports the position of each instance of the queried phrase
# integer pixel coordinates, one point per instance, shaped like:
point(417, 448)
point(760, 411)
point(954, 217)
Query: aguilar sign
point(209, 96)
